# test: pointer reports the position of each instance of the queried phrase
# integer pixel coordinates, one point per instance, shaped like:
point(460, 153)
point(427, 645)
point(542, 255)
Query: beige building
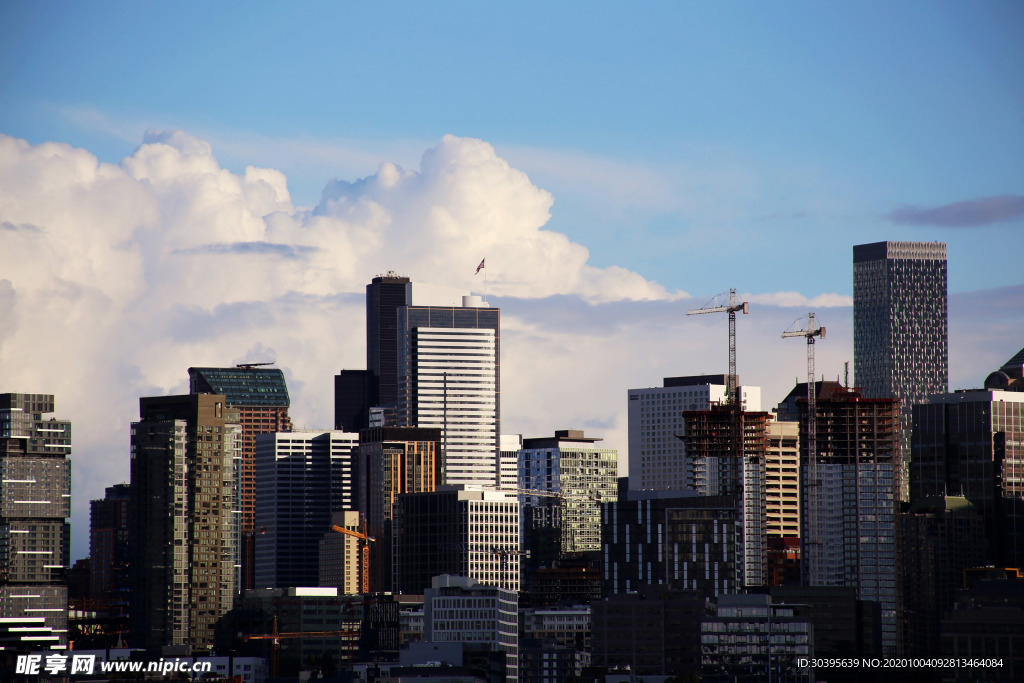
point(782, 479)
point(340, 564)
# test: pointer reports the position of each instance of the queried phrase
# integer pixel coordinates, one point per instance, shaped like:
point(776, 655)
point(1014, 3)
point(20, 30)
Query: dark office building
point(35, 503)
point(971, 444)
point(657, 537)
point(941, 537)
point(108, 544)
point(260, 396)
point(392, 461)
point(987, 623)
point(355, 392)
point(654, 631)
point(844, 626)
point(384, 296)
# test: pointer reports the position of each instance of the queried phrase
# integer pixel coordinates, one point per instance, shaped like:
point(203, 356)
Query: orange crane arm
point(343, 530)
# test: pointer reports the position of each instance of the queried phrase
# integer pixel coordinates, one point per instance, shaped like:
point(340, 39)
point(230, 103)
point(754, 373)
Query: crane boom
point(731, 308)
point(364, 554)
point(809, 560)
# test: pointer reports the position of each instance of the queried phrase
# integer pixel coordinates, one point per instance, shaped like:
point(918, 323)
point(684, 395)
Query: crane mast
point(809, 562)
point(731, 308)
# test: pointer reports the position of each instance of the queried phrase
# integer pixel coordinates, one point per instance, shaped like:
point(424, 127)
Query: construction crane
point(810, 562)
point(276, 636)
point(716, 306)
point(249, 366)
point(364, 554)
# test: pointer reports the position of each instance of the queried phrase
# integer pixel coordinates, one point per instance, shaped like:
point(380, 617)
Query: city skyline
point(128, 257)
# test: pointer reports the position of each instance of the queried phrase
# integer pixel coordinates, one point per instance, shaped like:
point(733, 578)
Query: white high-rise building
point(449, 379)
point(657, 457)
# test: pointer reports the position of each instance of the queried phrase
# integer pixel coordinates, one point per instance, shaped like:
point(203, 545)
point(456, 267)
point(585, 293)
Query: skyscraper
point(582, 476)
point(657, 456)
point(854, 543)
point(260, 397)
point(384, 296)
point(449, 374)
point(971, 444)
point(728, 446)
point(900, 335)
point(35, 503)
point(109, 544)
point(302, 478)
point(185, 461)
point(392, 461)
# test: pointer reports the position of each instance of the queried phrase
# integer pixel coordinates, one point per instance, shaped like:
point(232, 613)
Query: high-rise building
point(109, 544)
point(384, 296)
point(854, 540)
point(578, 476)
point(971, 444)
point(449, 374)
point(260, 396)
point(185, 479)
point(392, 461)
point(355, 393)
point(657, 454)
point(940, 537)
point(456, 530)
point(782, 479)
point(35, 537)
point(728, 446)
point(302, 478)
point(900, 333)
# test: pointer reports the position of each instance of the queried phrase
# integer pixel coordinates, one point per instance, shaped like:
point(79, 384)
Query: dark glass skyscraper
point(384, 296)
point(900, 335)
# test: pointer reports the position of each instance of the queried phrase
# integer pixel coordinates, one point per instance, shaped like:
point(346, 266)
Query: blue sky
point(198, 183)
point(713, 133)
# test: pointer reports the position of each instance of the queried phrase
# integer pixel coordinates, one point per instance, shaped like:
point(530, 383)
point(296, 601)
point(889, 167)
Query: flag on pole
point(480, 267)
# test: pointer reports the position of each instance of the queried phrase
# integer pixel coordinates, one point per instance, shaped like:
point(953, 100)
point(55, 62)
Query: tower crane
point(810, 561)
point(276, 636)
point(364, 554)
point(715, 306)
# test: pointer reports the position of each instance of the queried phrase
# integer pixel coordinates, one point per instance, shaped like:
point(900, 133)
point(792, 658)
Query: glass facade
point(900, 335)
point(35, 503)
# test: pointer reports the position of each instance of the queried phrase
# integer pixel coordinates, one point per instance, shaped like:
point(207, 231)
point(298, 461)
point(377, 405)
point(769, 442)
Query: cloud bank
point(115, 278)
point(966, 214)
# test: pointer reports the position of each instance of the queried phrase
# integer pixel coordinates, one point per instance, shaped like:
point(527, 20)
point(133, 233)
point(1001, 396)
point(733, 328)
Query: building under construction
point(728, 447)
point(857, 449)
